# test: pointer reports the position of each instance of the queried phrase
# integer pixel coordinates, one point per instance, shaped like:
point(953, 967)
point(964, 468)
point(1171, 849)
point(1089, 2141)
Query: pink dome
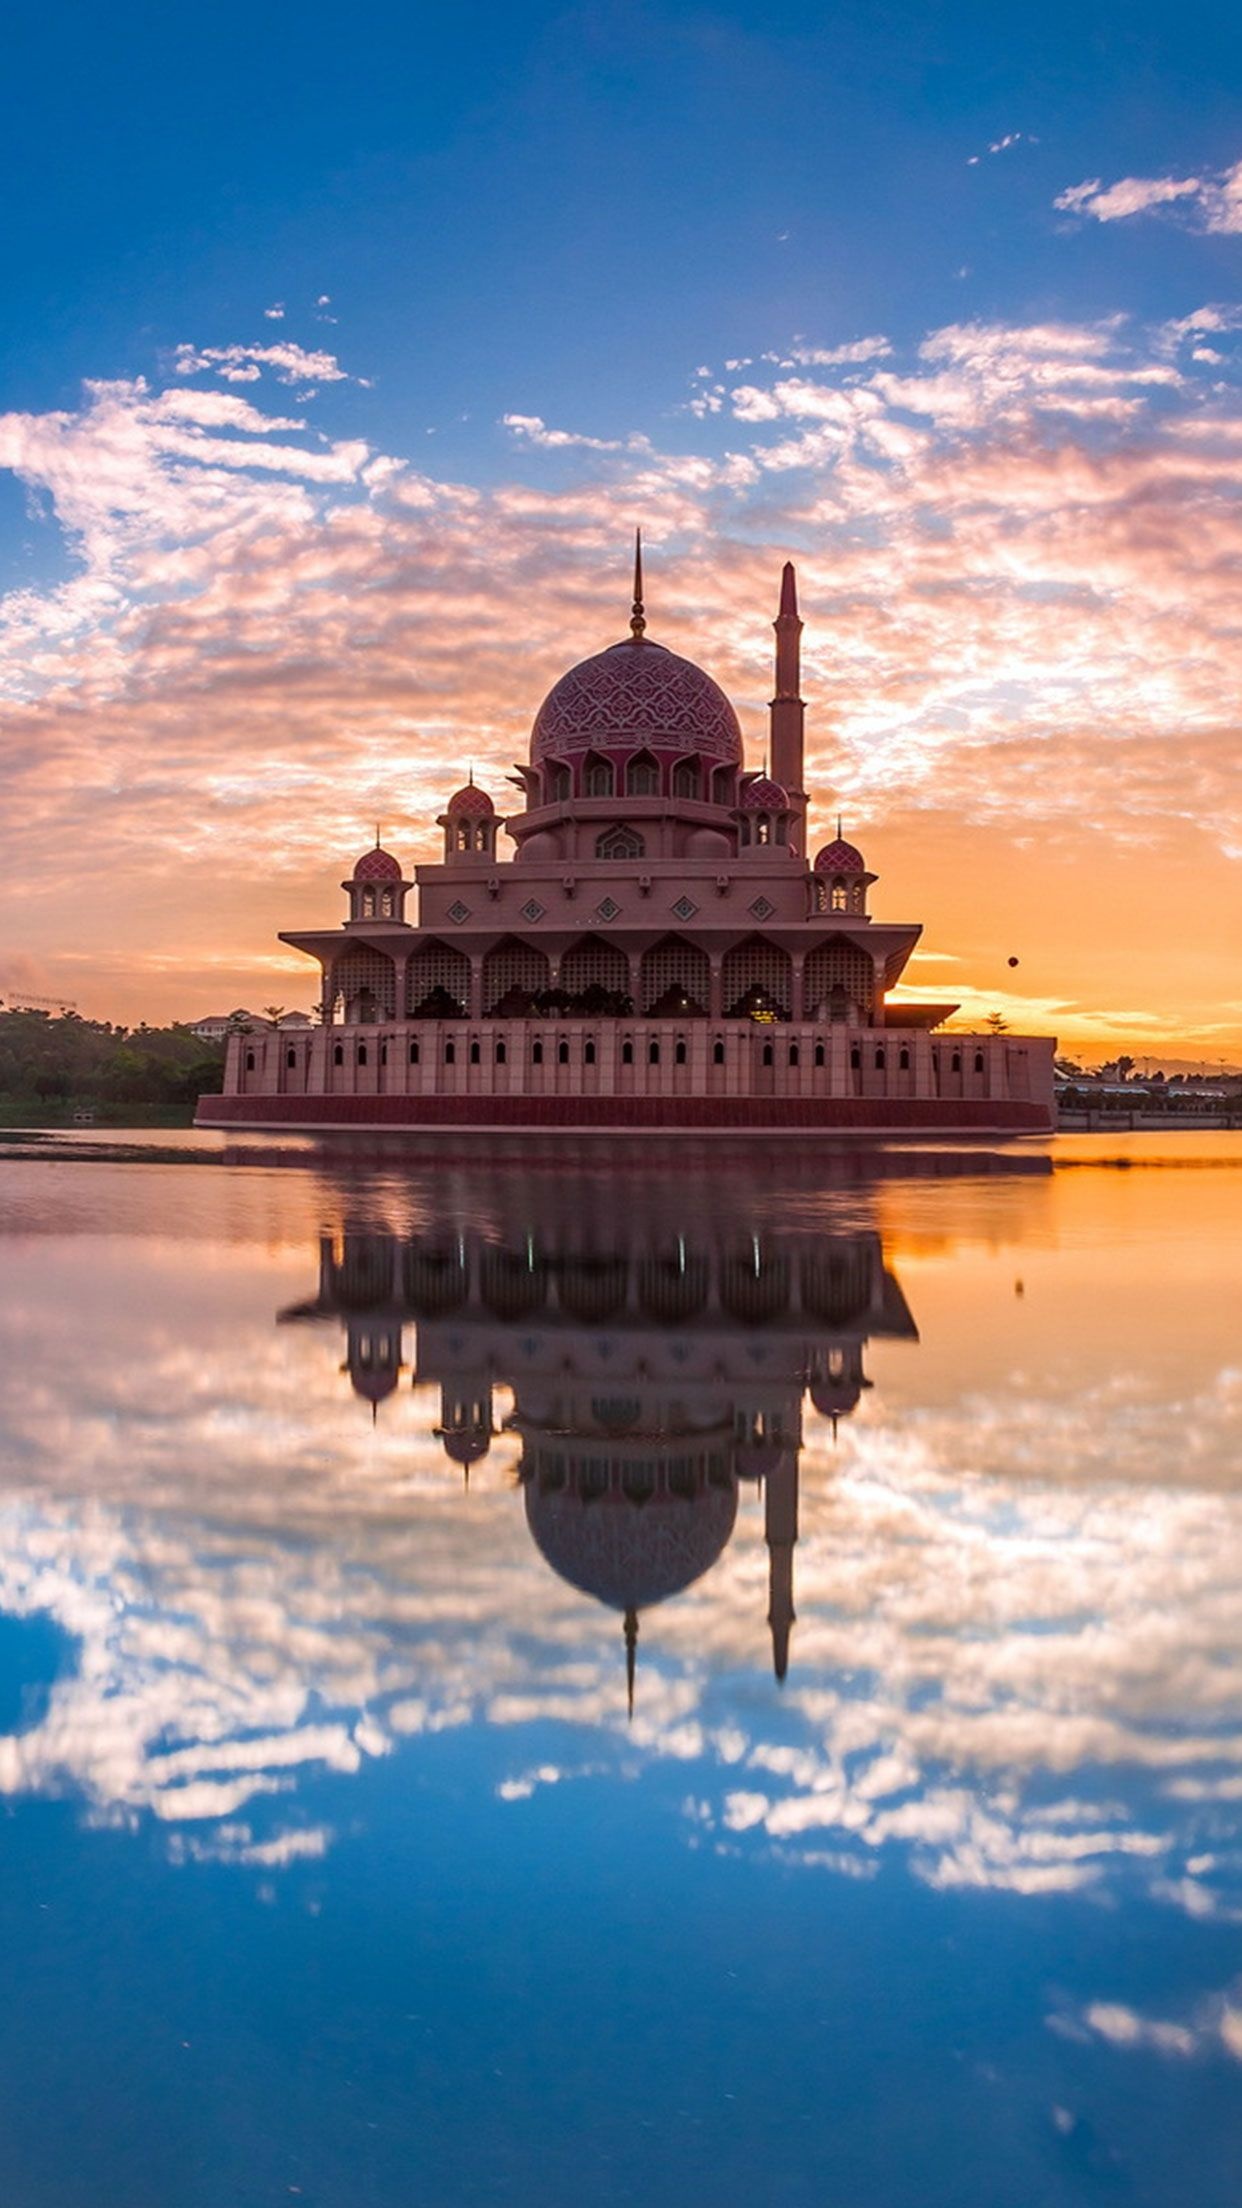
point(377, 866)
point(471, 801)
point(634, 695)
point(839, 857)
point(763, 796)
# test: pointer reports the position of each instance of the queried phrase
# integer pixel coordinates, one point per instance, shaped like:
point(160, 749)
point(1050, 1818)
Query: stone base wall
point(690, 1115)
point(509, 1073)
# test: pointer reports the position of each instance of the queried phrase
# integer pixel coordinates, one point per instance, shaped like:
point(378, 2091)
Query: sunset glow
point(254, 606)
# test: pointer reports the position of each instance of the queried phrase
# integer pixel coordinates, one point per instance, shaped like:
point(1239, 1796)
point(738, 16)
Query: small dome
point(472, 802)
point(707, 843)
point(634, 695)
point(763, 796)
point(377, 865)
point(839, 857)
point(465, 1448)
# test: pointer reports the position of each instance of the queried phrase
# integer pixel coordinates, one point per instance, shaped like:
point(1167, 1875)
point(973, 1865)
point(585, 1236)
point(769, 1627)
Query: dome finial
point(631, 1646)
point(839, 831)
point(378, 826)
point(637, 622)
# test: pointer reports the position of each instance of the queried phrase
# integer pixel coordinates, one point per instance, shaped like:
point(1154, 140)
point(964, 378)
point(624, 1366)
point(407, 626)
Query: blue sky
point(559, 210)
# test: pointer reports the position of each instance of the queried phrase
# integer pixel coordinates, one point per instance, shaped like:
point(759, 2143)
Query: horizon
point(301, 519)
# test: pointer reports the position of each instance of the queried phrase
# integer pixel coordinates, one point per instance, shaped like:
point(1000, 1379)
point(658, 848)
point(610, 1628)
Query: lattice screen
point(642, 777)
point(437, 966)
point(620, 843)
point(594, 964)
point(836, 1283)
point(674, 964)
point(360, 975)
point(514, 965)
point(756, 964)
point(686, 778)
point(838, 965)
point(598, 779)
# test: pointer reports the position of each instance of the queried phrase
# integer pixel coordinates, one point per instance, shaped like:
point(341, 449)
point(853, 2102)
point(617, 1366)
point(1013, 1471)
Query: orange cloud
point(1020, 558)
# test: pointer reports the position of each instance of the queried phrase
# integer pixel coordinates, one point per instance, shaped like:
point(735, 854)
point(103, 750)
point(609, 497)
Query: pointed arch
point(675, 979)
point(514, 973)
point(757, 978)
point(437, 982)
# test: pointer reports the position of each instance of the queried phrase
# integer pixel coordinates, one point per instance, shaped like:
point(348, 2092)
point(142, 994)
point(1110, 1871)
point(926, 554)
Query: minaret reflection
point(651, 1379)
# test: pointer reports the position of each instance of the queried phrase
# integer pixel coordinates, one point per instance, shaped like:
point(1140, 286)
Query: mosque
point(654, 1378)
point(657, 952)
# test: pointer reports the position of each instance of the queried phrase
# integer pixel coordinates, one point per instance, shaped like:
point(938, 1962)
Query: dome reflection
point(652, 1373)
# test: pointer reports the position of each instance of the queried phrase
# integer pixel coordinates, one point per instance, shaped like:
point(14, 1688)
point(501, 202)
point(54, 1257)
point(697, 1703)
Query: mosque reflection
point(650, 1379)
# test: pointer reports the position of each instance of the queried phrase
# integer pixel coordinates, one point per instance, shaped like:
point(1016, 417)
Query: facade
point(657, 952)
point(655, 1380)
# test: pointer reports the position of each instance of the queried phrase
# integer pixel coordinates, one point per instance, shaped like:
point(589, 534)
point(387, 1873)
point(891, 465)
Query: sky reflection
point(346, 1469)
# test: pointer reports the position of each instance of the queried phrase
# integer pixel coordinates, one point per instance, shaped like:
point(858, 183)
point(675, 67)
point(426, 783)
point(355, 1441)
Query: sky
point(342, 354)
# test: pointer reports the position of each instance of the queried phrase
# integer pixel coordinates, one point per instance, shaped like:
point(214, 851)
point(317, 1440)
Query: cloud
point(1213, 203)
point(289, 363)
point(274, 314)
point(1018, 548)
point(1003, 145)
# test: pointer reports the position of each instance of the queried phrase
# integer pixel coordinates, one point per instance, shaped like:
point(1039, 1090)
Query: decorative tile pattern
point(636, 694)
point(762, 908)
point(458, 912)
point(685, 908)
point(608, 910)
point(532, 909)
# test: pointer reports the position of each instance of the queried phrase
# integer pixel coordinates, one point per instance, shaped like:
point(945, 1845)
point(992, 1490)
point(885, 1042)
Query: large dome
point(633, 695)
point(630, 1554)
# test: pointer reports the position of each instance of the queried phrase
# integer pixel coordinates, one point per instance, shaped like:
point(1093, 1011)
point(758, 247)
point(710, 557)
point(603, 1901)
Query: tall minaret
point(780, 1531)
point(787, 712)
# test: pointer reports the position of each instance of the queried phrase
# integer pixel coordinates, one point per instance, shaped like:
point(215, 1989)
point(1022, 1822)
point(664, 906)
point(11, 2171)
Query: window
point(880, 1061)
point(839, 899)
point(903, 1061)
point(718, 1053)
point(620, 843)
point(536, 1055)
point(386, 905)
point(562, 1054)
point(338, 1055)
point(362, 1054)
point(475, 1054)
point(627, 1054)
point(368, 904)
point(588, 1054)
point(413, 1054)
point(450, 1054)
point(955, 1063)
point(642, 776)
point(653, 1054)
point(598, 778)
point(769, 1055)
point(679, 1055)
point(686, 778)
point(250, 1061)
point(501, 1054)
point(855, 1058)
point(291, 1057)
point(383, 1054)
point(819, 1054)
point(558, 785)
point(978, 1061)
point(793, 1054)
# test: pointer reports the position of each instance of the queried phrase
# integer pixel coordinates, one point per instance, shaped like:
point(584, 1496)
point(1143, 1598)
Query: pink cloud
point(1019, 553)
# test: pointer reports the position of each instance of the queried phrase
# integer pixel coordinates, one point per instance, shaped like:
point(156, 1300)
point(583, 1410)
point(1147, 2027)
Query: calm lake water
point(344, 1505)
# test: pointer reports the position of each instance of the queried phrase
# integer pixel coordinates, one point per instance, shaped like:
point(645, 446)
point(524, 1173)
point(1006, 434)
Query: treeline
point(51, 1067)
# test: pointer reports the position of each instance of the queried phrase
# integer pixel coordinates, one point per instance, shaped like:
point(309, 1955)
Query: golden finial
point(637, 623)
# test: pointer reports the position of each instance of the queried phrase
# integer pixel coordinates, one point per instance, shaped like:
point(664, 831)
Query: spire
point(786, 713)
point(631, 1650)
point(637, 622)
point(377, 834)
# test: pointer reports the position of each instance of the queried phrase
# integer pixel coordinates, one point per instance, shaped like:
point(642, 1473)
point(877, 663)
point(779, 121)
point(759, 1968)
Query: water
point(333, 1865)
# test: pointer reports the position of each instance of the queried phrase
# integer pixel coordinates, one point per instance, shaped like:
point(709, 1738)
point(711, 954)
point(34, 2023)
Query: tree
point(996, 1023)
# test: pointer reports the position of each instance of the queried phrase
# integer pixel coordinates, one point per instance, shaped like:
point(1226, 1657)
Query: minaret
point(787, 712)
point(780, 1531)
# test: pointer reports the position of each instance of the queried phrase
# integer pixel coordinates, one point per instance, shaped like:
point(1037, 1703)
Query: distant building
point(659, 952)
